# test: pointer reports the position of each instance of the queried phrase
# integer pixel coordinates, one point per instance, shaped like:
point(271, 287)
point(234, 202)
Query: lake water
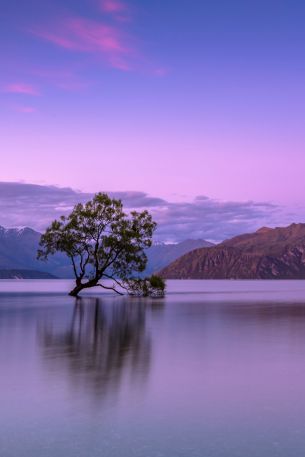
point(216, 369)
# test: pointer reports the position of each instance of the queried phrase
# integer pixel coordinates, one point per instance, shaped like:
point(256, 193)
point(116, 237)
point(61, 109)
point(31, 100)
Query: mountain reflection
point(103, 346)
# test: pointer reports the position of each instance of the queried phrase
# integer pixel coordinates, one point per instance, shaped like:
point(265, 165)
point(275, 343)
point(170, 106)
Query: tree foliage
point(102, 242)
point(153, 286)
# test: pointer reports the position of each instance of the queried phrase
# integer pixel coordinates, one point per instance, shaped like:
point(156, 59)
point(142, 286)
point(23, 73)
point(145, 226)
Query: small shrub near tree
point(153, 286)
point(104, 243)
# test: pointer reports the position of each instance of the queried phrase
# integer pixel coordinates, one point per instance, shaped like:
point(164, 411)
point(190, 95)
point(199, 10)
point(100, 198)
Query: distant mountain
point(25, 274)
point(18, 251)
point(266, 254)
point(161, 255)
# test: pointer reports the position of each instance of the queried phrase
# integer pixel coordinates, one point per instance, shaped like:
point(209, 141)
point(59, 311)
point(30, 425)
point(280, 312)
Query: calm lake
point(216, 369)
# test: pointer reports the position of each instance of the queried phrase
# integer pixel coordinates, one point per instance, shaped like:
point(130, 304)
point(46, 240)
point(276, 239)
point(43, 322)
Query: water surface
point(217, 369)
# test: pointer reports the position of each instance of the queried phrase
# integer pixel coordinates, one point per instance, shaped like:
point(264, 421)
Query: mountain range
point(25, 274)
point(161, 255)
point(277, 253)
point(18, 250)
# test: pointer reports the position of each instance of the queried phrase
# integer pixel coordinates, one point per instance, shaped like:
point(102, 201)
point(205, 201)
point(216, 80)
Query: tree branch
point(83, 264)
point(107, 265)
point(110, 288)
point(74, 266)
point(116, 281)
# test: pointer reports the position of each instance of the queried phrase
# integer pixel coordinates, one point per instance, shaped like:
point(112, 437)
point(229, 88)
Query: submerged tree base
point(153, 286)
point(74, 292)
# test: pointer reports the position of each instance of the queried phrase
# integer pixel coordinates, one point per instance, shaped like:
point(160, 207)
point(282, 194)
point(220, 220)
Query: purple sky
point(175, 99)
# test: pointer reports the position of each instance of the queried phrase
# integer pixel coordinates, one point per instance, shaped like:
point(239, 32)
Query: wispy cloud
point(213, 219)
point(161, 71)
point(83, 35)
point(66, 79)
point(21, 88)
point(119, 10)
point(24, 109)
point(36, 205)
point(113, 6)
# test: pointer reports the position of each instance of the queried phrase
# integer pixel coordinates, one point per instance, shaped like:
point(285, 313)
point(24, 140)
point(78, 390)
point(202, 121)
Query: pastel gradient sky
point(173, 98)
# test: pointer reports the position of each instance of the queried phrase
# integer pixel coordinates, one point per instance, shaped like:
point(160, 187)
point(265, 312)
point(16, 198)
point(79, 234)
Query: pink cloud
point(113, 6)
point(65, 79)
point(116, 8)
point(25, 109)
point(161, 71)
point(21, 88)
point(84, 35)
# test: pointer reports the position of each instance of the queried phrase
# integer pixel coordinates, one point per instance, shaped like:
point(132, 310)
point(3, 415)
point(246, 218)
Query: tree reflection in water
point(105, 345)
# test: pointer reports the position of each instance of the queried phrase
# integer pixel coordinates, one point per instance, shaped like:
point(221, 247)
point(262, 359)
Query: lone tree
point(104, 243)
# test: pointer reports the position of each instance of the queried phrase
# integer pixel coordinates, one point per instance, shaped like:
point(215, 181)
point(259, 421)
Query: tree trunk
point(79, 287)
point(91, 283)
point(74, 292)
